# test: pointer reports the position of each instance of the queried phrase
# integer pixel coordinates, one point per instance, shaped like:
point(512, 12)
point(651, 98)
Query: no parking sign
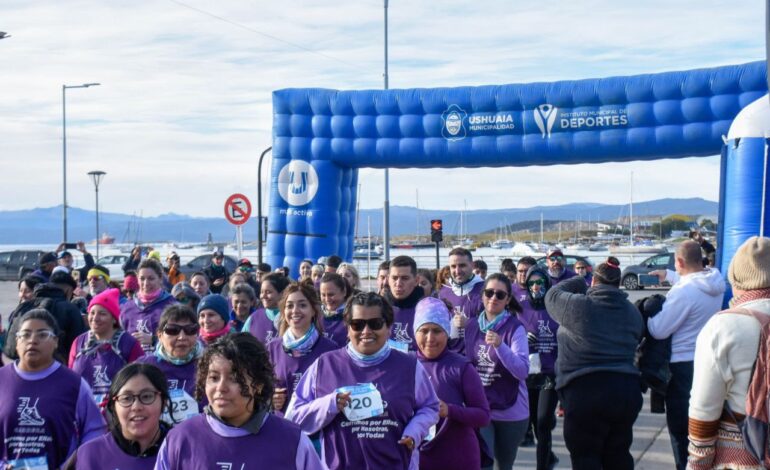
point(237, 209)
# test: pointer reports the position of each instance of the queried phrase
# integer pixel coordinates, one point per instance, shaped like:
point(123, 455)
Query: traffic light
point(436, 230)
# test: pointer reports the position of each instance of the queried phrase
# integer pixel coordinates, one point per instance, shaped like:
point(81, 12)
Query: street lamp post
point(64, 89)
point(259, 205)
point(97, 177)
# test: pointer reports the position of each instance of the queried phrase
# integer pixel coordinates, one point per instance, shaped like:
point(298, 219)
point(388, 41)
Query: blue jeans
point(677, 405)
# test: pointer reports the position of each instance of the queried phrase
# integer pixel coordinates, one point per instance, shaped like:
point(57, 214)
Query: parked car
point(569, 262)
point(200, 262)
point(630, 275)
point(115, 264)
point(14, 265)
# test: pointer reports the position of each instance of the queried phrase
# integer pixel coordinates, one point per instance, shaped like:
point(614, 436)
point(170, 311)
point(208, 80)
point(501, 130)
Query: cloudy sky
point(184, 107)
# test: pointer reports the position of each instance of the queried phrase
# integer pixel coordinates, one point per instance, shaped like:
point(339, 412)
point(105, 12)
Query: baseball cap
point(47, 258)
point(554, 251)
point(64, 254)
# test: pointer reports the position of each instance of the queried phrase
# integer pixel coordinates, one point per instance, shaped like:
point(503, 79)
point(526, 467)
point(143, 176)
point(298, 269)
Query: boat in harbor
point(502, 244)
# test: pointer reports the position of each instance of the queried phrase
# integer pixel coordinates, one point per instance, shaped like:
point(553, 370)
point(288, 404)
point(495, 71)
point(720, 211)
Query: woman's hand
point(408, 442)
point(144, 338)
point(343, 400)
point(493, 338)
point(443, 409)
point(459, 320)
point(279, 398)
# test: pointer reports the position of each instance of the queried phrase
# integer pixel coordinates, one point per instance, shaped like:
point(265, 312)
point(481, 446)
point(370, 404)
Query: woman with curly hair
point(237, 428)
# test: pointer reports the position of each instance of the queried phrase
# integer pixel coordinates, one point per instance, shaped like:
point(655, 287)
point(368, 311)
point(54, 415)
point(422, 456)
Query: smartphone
point(648, 280)
point(70, 246)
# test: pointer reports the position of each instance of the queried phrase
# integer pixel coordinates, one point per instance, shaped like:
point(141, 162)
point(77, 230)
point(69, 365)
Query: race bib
point(398, 345)
point(365, 402)
point(183, 406)
point(31, 463)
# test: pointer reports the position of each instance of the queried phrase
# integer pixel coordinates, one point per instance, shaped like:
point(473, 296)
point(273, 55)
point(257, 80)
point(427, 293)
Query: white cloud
point(184, 108)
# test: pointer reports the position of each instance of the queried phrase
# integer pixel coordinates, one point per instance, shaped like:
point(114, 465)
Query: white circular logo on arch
point(297, 182)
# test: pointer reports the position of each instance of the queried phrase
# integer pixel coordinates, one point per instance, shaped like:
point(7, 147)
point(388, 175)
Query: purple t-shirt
point(96, 453)
point(144, 319)
point(544, 327)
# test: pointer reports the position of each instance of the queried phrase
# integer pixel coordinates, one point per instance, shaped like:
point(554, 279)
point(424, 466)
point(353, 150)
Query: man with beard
point(556, 270)
point(403, 294)
point(463, 290)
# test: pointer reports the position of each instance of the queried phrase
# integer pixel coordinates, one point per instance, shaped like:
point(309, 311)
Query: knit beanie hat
point(216, 303)
point(750, 266)
point(109, 299)
point(431, 310)
point(131, 283)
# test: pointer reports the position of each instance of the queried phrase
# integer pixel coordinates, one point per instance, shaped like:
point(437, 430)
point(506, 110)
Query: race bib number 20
point(365, 402)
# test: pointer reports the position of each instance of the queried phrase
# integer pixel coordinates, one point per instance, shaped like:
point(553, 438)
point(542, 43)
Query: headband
point(98, 272)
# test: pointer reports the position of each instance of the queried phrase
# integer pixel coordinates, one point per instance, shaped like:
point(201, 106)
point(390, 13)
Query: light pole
point(97, 177)
point(259, 205)
point(64, 150)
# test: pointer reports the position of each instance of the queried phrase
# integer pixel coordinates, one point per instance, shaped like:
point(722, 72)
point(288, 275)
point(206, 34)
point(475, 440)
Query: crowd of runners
point(455, 369)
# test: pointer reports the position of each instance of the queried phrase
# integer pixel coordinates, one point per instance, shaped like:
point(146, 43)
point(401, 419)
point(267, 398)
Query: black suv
point(14, 265)
point(630, 276)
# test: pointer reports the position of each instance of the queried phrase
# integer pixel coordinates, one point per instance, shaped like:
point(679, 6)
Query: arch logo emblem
point(297, 183)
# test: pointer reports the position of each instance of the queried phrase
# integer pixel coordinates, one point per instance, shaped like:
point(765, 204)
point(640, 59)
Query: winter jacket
point(599, 329)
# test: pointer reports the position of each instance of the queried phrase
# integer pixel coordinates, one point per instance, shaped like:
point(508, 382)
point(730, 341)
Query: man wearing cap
point(693, 299)
point(217, 272)
point(725, 351)
point(246, 267)
point(66, 260)
point(98, 280)
point(554, 259)
point(175, 276)
point(45, 265)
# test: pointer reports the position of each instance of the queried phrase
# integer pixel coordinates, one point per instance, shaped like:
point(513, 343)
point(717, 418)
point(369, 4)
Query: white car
point(115, 264)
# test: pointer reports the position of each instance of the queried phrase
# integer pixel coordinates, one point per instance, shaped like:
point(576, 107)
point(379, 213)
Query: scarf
point(749, 296)
point(379, 356)
point(208, 338)
point(147, 299)
point(301, 345)
point(272, 314)
point(494, 325)
point(92, 343)
point(177, 361)
point(335, 315)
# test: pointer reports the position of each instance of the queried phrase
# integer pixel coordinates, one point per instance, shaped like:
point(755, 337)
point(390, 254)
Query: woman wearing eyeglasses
point(237, 429)
point(140, 315)
point(98, 354)
point(463, 406)
point(300, 341)
point(496, 343)
point(334, 293)
point(137, 398)
point(47, 410)
point(543, 349)
point(176, 355)
point(263, 324)
point(343, 386)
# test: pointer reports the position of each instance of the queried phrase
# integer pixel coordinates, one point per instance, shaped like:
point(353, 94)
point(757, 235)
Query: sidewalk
point(651, 448)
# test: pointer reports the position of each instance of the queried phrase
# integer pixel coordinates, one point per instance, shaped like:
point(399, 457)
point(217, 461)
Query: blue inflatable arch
point(321, 137)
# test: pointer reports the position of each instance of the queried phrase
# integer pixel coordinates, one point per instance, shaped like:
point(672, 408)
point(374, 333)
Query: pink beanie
point(109, 299)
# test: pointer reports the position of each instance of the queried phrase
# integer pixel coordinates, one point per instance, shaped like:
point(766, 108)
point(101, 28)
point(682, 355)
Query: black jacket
point(655, 354)
point(66, 314)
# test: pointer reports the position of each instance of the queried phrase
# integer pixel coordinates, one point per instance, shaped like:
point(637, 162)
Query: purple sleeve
point(90, 421)
point(426, 402)
point(311, 413)
point(307, 458)
point(475, 413)
point(515, 357)
point(161, 462)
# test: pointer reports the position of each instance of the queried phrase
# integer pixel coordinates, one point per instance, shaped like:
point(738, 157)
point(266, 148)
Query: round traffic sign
point(237, 209)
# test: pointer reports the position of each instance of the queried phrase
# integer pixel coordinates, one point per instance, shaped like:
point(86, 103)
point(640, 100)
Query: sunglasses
point(498, 294)
point(556, 258)
point(173, 330)
point(146, 397)
point(373, 324)
point(96, 278)
point(536, 282)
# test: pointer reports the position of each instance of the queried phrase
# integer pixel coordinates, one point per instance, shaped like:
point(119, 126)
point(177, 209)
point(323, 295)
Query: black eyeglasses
point(499, 294)
point(173, 329)
point(373, 324)
point(146, 397)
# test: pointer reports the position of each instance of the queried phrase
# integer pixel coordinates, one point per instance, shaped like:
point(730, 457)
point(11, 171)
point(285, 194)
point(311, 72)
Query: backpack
point(754, 427)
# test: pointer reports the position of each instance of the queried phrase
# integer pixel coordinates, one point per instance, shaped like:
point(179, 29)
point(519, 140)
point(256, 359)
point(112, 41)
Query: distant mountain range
point(44, 225)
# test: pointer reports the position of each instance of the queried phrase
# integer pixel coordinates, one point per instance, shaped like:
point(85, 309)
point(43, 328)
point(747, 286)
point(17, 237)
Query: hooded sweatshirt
point(689, 304)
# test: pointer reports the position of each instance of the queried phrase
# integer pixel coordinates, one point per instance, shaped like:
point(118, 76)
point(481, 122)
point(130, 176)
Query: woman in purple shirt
point(496, 343)
point(237, 429)
point(137, 398)
point(395, 391)
point(463, 407)
point(334, 293)
point(47, 410)
point(263, 323)
point(300, 343)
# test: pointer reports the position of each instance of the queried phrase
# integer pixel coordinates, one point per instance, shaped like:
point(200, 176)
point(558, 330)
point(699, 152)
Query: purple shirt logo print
point(28, 415)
